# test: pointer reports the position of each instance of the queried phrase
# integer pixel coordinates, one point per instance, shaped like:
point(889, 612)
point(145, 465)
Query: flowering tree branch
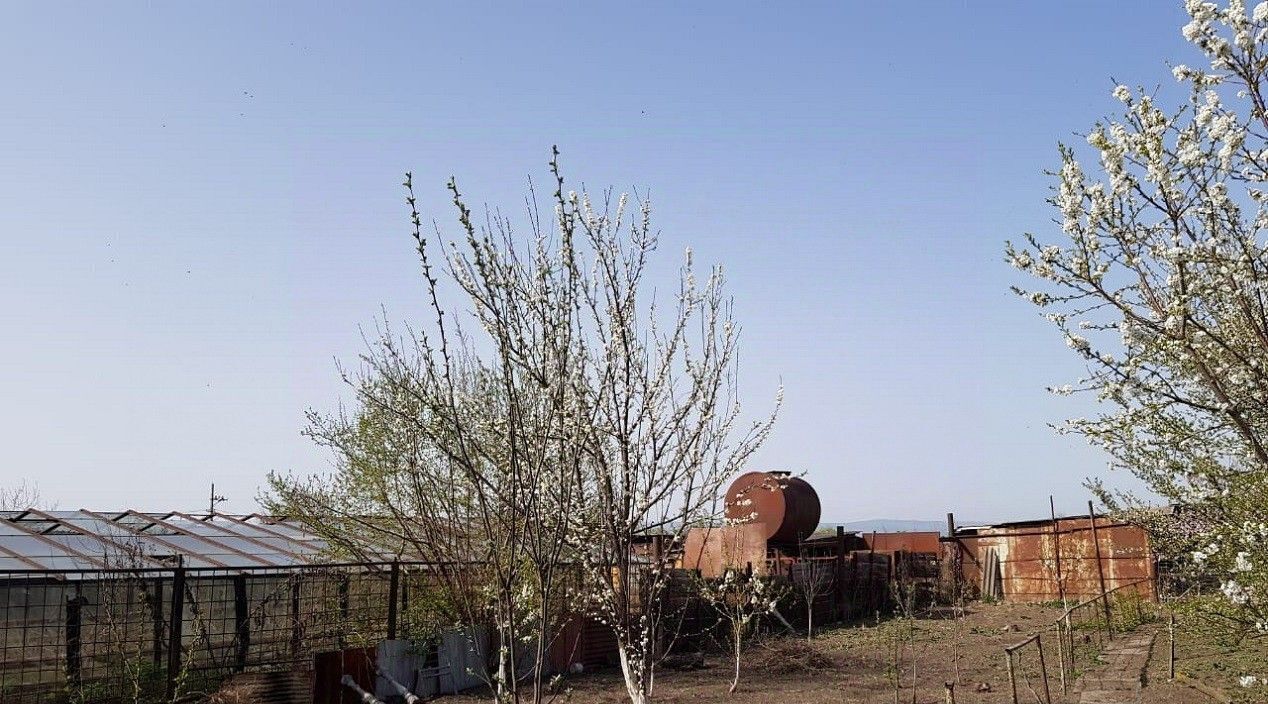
point(1159, 283)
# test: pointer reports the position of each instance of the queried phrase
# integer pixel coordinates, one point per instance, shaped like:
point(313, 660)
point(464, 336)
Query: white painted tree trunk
point(633, 679)
point(738, 638)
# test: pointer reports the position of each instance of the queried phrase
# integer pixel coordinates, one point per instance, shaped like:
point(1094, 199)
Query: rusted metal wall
point(924, 542)
point(583, 641)
point(711, 550)
point(1029, 554)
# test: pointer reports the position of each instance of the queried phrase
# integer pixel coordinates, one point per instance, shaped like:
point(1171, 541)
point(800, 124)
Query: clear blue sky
point(200, 204)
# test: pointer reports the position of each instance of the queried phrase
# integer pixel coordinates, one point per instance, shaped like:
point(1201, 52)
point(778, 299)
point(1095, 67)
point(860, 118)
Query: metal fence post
point(175, 630)
point(1100, 572)
point(1043, 668)
point(74, 615)
point(343, 608)
point(393, 590)
point(242, 622)
point(838, 580)
point(1012, 677)
point(296, 627)
point(156, 609)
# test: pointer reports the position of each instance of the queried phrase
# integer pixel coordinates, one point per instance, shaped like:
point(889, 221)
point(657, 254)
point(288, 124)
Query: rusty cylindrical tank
point(787, 507)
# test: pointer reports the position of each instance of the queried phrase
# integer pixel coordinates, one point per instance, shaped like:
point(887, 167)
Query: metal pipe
point(410, 697)
point(364, 696)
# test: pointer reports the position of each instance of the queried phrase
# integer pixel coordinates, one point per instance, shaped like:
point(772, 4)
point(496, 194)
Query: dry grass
point(1212, 652)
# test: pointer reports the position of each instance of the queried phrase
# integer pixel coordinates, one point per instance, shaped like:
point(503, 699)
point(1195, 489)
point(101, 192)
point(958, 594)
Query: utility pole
point(211, 508)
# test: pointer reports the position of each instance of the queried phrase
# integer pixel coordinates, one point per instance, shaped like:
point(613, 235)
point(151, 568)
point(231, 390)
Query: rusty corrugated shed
point(1031, 553)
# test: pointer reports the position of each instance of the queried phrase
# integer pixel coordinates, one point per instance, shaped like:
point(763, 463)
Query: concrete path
point(1120, 679)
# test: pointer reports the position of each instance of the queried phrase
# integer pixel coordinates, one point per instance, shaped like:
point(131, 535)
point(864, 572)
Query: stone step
point(1121, 677)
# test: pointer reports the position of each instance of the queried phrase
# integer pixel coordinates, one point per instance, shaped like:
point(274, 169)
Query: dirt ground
point(855, 665)
point(848, 665)
point(1157, 689)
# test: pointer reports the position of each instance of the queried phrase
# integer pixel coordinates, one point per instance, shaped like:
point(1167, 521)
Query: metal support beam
point(175, 632)
point(74, 627)
point(236, 534)
point(60, 547)
point(203, 538)
point(106, 541)
point(393, 589)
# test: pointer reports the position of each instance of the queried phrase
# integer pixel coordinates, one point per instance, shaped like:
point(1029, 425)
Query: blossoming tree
point(560, 425)
point(1159, 282)
point(658, 415)
point(740, 599)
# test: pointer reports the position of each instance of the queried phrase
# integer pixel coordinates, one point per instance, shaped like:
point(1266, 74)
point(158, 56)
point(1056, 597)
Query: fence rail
point(1080, 634)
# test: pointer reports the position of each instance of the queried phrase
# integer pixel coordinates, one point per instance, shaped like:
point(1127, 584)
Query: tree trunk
point(735, 681)
point(633, 680)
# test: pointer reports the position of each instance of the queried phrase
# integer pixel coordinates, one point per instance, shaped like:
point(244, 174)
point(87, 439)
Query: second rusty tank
point(786, 507)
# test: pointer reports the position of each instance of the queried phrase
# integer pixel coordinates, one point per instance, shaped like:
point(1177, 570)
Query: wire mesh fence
point(138, 634)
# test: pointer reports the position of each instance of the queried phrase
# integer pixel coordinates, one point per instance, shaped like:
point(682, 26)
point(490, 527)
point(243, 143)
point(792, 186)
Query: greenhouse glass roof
point(90, 540)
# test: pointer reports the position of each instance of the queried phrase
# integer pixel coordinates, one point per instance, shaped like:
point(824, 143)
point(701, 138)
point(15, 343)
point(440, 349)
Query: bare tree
point(740, 598)
point(811, 579)
point(22, 496)
point(460, 460)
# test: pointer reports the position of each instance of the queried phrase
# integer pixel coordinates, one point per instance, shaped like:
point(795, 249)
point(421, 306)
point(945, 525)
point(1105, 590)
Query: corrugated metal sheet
point(924, 542)
point(1029, 554)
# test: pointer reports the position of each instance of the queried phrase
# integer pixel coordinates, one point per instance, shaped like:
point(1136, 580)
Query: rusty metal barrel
point(786, 507)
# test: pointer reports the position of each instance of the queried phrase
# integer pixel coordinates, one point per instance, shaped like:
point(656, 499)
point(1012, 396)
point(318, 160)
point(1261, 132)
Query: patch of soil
point(776, 655)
